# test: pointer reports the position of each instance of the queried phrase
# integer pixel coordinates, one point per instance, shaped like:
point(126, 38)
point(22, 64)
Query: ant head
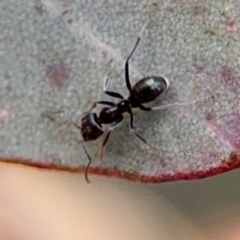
point(91, 129)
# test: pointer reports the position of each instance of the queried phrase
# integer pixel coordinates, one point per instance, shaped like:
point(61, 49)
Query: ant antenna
point(85, 150)
point(89, 163)
point(68, 116)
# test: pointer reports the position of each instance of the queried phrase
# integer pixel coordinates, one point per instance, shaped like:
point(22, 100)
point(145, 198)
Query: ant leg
point(114, 125)
point(55, 112)
point(144, 108)
point(88, 165)
point(135, 47)
point(161, 107)
point(112, 94)
point(99, 102)
point(129, 87)
point(136, 134)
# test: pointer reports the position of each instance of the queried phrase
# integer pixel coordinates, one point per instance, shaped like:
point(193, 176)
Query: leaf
point(55, 56)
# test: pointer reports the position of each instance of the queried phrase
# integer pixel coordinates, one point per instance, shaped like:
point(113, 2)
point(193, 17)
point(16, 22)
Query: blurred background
point(40, 204)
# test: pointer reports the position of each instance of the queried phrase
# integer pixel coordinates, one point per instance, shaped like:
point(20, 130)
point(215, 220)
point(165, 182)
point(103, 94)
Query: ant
point(145, 90)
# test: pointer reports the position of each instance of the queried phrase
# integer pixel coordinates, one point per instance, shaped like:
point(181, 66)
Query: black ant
point(144, 91)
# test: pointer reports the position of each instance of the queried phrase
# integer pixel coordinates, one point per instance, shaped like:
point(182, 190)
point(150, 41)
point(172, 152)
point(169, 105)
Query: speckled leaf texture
point(56, 54)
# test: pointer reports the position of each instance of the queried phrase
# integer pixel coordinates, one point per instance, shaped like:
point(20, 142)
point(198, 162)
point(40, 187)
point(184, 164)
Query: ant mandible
point(144, 91)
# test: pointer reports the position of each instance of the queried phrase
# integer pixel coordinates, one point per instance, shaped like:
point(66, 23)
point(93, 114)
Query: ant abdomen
point(148, 89)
